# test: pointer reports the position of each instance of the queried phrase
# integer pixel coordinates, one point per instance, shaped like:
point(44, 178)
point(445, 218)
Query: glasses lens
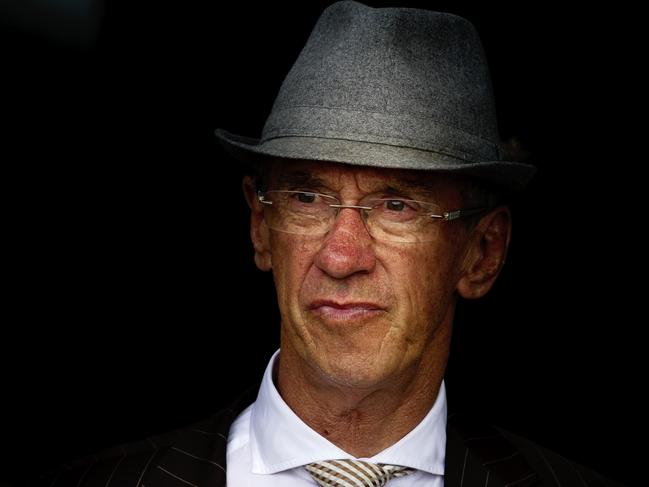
point(300, 212)
point(400, 220)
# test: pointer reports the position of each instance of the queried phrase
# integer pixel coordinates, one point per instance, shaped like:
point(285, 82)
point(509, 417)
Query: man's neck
point(367, 421)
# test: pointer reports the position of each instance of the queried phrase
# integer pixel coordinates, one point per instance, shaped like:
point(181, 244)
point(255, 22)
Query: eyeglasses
point(386, 219)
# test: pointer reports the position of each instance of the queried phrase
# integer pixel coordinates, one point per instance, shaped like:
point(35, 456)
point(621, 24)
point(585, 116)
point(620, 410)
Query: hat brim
point(510, 175)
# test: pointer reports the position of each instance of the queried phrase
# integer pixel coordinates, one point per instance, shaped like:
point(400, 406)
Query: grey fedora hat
point(388, 87)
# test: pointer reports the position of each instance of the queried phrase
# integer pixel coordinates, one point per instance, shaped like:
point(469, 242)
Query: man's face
point(357, 311)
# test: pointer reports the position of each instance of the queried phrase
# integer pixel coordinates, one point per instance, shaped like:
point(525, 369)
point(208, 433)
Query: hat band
point(409, 130)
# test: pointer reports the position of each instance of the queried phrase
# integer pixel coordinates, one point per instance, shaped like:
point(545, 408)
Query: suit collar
point(479, 455)
point(197, 456)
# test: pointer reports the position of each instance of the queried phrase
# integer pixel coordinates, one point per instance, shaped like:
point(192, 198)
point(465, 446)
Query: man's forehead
point(297, 172)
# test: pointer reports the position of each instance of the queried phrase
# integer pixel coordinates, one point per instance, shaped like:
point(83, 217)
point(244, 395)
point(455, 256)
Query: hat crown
point(388, 88)
point(395, 76)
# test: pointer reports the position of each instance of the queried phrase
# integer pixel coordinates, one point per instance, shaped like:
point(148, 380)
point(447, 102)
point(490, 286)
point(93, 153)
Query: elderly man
point(375, 204)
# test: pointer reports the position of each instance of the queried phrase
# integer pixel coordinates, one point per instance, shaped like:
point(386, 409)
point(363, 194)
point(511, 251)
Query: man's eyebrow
point(297, 179)
point(422, 188)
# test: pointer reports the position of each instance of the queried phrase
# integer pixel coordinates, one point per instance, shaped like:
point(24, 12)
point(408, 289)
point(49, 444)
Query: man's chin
point(353, 370)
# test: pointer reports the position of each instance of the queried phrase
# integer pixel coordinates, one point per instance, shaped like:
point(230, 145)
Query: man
point(375, 204)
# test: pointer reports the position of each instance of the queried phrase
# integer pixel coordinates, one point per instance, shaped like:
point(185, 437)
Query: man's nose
point(347, 248)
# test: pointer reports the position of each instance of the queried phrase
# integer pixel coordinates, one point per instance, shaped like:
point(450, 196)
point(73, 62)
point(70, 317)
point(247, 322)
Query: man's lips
point(345, 305)
point(344, 311)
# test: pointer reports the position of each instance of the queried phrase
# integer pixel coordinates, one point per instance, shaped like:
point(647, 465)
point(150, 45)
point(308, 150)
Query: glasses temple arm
point(455, 214)
point(260, 198)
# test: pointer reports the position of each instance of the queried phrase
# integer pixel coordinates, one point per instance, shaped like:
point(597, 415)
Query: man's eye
point(305, 197)
point(395, 205)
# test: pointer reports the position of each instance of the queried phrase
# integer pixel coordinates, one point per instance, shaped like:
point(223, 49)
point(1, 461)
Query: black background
point(129, 273)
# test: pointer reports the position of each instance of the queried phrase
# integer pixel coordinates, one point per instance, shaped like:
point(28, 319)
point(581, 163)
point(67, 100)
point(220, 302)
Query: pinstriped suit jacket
point(476, 456)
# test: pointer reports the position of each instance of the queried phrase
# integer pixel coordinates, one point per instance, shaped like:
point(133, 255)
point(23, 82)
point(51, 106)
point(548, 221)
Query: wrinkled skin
point(366, 322)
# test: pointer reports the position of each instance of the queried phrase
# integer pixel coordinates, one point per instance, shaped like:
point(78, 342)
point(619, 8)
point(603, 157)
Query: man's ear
point(486, 255)
point(259, 232)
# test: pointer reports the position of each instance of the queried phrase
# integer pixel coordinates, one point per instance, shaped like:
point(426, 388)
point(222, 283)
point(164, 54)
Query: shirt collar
point(280, 440)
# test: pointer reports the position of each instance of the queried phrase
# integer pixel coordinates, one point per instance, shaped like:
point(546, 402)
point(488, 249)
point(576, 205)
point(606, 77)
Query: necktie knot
point(354, 473)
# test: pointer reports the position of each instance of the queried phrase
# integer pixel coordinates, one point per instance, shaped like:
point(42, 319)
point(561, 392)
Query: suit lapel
point(479, 456)
point(198, 455)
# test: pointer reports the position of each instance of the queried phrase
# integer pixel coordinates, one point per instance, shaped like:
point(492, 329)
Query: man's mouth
point(346, 310)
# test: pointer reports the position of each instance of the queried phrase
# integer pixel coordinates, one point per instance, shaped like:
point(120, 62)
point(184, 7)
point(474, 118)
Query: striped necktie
point(354, 473)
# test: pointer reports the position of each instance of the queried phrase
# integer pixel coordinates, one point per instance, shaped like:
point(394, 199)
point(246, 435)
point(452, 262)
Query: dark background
point(129, 273)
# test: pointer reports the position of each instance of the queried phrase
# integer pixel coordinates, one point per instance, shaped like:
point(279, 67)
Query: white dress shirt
point(268, 445)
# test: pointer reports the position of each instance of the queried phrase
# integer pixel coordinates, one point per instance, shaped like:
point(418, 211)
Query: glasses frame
point(446, 215)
